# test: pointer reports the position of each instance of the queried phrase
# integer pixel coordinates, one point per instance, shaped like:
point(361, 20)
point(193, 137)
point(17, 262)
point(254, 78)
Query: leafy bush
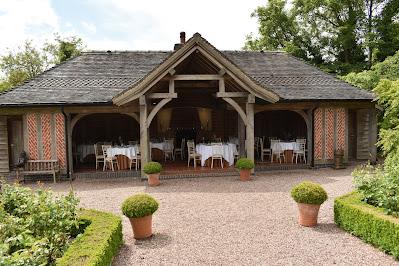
point(99, 242)
point(378, 187)
point(367, 222)
point(152, 168)
point(139, 205)
point(245, 163)
point(309, 193)
point(36, 227)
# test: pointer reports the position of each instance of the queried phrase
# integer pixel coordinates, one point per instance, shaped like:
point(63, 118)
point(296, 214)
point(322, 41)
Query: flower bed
point(367, 222)
point(99, 242)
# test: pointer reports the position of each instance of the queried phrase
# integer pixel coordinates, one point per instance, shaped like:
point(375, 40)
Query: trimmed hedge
point(98, 244)
point(367, 222)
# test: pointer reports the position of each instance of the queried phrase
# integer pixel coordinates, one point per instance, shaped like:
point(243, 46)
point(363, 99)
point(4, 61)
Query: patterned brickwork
point(341, 128)
point(46, 136)
point(318, 133)
point(329, 133)
point(31, 122)
point(60, 139)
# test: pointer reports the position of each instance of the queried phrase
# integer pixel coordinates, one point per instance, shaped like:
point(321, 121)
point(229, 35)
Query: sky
point(127, 25)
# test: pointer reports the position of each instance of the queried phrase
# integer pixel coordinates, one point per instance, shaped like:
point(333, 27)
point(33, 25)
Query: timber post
point(144, 149)
point(250, 128)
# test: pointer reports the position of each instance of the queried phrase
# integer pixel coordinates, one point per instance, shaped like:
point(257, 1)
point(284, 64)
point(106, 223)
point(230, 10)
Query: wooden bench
point(41, 167)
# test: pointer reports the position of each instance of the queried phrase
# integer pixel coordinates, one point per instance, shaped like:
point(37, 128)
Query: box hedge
point(367, 222)
point(98, 244)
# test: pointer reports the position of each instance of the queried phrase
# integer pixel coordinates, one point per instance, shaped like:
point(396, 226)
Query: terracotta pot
point(153, 180)
point(245, 174)
point(142, 227)
point(308, 214)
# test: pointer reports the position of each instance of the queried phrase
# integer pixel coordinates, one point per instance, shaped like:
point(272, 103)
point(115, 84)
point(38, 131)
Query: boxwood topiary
point(245, 163)
point(152, 168)
point(139, 205)
point(309, 193)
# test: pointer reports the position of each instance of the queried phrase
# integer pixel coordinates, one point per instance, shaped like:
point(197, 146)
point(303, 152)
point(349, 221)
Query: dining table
point(123, 154)
point(159, 147)
point(288, 147)
point(206, 151)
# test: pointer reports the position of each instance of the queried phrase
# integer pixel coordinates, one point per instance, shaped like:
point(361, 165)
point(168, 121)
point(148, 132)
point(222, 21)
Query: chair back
point(104, 148)
point(274, 144)
point(169, 144)
point(97, 149)
point(300, 141)
point(132, 142)
point(218, 139)
point(261, 143)
point(217, 148)
point(190, 147)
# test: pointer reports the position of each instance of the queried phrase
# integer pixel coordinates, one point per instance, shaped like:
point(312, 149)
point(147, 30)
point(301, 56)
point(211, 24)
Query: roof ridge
point(125, 51)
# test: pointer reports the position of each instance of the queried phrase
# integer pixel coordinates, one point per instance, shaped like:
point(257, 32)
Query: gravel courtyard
point(222, 221)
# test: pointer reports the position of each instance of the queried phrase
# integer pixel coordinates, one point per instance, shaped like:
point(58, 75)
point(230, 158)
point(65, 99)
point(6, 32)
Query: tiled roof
point(96, 77)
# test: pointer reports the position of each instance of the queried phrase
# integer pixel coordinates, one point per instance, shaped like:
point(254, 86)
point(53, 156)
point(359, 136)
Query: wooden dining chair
point(192, 154)
point(217, 153)
point(98, 154)
point(168, 149)
point(136, 160)
point(264, 151)
point(300, 152)
point(109, 159)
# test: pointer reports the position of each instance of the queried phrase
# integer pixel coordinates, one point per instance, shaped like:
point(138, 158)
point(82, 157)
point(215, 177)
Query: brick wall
point(329, 133)
point(45, 135)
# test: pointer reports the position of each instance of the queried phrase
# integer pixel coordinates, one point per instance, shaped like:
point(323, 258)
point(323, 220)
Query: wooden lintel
point(197, 77)
point(172, 71)
point(171, 86)
point(161, 95)
point(231, 94)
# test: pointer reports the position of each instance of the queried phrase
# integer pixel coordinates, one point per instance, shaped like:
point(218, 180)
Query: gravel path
point(222, 221)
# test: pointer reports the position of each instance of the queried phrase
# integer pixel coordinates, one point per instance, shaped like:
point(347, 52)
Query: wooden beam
point(144, 145)
point(222, 87)
point(197, 77)
point(250, 130)
point(232, 94)
point(161, 95)
point(156, 110)
point(171, 86)
point(237, 108)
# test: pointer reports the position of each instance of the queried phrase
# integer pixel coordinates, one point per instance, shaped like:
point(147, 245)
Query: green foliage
point(35, 227)
point(139, 205)
point(152, 168)
point(367, 222)
point(378, 187)
point(99, 242)
point(309, 193)
point(245, 163)
point(369, 79)
point(340, 36)
point(28, 61)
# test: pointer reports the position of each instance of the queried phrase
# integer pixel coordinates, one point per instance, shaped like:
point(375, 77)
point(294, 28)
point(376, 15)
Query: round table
point(206, 151)
point(123, 155)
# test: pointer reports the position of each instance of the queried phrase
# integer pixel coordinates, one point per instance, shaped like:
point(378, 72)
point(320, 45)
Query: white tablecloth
point(129, 151)
point(285, 146)
point(161, 145)
point(206, 152)
point(84, 150)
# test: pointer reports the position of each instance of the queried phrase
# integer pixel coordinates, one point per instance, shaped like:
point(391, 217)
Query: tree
point(29, 61)
point(339, 35)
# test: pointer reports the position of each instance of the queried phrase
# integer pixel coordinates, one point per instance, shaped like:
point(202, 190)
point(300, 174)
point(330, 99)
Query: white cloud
point(26, 19)
point(224, 23)
point(89, 27)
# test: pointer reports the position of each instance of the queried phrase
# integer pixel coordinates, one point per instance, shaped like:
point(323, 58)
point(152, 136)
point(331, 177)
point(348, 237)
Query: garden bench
point(41, 167)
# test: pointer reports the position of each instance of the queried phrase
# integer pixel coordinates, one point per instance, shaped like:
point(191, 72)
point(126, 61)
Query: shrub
point(309, 193)
point(99, 242)
point(367, 222)
point(378, 187)
point(36, 227)
point(245, 163)
point(139, 205)
point(152, 168)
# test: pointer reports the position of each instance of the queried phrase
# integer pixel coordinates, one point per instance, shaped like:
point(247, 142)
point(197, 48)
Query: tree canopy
point(339, 36)
point(28, 61)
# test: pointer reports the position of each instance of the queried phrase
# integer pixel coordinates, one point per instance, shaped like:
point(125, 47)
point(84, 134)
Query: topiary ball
point(245, 163)
point(309, 193)
point(139, 205)
point(152, 168)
